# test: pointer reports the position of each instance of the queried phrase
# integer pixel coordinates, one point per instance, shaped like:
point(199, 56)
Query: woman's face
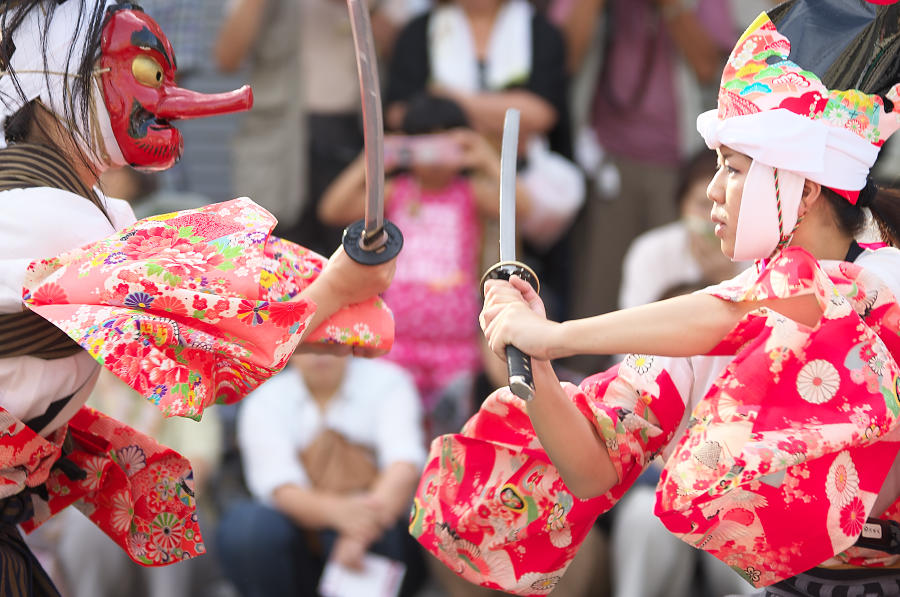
point(725, 191)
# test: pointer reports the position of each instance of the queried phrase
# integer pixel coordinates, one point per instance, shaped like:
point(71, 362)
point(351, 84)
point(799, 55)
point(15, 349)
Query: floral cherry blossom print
point(131, 459)
point(168, 531)
point(195, 307)
point(49, 294)
point(853, 516)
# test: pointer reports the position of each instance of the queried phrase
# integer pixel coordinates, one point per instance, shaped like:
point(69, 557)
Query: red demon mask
point(138, 77)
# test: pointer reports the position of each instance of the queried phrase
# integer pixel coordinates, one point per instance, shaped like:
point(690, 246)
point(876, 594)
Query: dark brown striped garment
point(26, 165)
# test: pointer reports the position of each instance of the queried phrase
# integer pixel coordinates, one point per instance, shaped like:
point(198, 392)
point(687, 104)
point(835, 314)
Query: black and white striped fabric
point(824, 582)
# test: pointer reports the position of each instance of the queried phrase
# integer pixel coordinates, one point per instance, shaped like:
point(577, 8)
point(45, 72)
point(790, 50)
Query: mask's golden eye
point(147, 71)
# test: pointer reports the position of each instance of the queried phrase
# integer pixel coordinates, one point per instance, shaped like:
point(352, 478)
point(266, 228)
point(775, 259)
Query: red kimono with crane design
point(800, 425)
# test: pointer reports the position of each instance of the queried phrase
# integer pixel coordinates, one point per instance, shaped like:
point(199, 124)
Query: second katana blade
point(517, 362)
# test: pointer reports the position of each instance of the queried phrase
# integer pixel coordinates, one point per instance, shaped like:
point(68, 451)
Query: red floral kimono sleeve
point(802, 424)
point(493, 508)
point(195, 307)
point(135, 490)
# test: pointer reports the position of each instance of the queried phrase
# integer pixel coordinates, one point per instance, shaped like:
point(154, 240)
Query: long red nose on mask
point(184, 104)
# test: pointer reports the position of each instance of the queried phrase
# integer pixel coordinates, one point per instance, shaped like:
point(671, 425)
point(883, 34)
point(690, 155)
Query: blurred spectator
point(192, 27)
point(660, 64)
point(94, 566)
point(268, 153)
point(332, 448)
point(682, 252)
point(446, 185)
point(305, 124)
point(488, 56)
point(145, 193)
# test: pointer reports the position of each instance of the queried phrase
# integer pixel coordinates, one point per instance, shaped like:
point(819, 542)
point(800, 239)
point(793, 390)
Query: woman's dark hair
point(885, 208)
point(427, 113)
point(850, 218)
point(700, 166)
point(884, 205)
point(76, 98)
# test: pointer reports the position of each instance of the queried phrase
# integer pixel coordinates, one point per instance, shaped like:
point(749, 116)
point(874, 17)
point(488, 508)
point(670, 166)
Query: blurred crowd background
point(612, 213)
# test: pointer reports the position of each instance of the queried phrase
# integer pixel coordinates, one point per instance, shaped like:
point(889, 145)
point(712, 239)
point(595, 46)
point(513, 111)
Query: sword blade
point(508, 156)
point(373, 123)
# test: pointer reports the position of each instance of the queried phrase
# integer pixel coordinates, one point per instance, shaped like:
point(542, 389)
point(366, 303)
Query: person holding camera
point(443, 189)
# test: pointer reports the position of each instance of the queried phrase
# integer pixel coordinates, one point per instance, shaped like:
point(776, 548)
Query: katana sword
point(517, 362)
point(371, 240)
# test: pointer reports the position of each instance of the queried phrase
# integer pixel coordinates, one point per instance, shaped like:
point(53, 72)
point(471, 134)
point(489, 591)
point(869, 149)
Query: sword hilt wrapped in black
point(518, 364)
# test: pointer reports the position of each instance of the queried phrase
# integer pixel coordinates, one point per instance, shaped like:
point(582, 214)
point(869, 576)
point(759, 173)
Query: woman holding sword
point(771, 397)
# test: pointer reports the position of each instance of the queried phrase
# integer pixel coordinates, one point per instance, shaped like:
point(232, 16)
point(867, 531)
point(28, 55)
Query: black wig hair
point(76, 98)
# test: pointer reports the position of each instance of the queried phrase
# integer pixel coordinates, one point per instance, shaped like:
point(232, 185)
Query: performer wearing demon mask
point(188, 308)
point(772, 398)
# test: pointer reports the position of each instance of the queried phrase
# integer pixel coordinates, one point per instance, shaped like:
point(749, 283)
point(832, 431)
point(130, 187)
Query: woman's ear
point(812, 191)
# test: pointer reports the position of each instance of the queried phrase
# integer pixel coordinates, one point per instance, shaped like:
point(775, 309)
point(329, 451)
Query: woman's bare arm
point(570, 440)
point(682, 326)
point(486, 110)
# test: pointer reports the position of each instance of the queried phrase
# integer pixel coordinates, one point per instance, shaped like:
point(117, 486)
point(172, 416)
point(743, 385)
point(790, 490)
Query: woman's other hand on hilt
point(513, 313)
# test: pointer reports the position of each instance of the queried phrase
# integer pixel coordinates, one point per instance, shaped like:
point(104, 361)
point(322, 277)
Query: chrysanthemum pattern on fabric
point(808, 440)
point(138, 492)
point(800, 427)
point(194, 307)
point(758, 77)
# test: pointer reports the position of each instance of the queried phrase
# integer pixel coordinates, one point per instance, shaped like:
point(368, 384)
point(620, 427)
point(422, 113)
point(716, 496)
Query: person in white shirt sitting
point(331, 450)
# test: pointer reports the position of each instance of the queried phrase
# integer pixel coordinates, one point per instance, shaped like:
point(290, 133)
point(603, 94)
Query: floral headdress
point(794, 128)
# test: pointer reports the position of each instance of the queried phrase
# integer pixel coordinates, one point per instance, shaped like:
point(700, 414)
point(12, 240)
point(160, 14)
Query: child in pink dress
point(446, 184)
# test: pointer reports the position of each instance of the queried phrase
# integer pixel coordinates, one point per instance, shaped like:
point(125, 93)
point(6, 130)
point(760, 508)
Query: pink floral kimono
point(188, 308)
point(776, 472)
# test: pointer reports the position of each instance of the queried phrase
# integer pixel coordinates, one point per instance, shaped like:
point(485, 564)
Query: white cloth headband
point(779, 138)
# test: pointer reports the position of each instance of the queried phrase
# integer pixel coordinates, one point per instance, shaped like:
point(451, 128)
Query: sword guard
point(376, 251)
point(503, 270)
